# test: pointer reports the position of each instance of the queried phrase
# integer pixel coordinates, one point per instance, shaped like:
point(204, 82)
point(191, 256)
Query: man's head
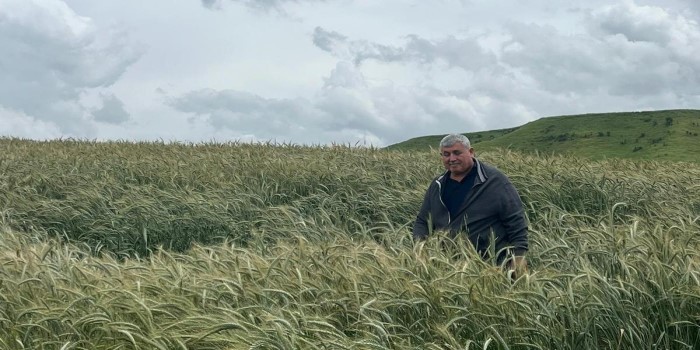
point(457, 153)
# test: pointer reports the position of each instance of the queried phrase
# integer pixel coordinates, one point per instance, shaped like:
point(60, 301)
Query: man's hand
point(518, 266)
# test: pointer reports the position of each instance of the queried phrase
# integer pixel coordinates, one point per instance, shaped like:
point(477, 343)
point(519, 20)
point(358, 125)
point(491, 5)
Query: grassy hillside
point(672, 135)
point(424, 143)
point(157, 246)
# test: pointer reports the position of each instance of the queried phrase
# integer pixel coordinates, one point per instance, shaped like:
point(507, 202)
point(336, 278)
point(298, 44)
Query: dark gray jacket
point(493, 205)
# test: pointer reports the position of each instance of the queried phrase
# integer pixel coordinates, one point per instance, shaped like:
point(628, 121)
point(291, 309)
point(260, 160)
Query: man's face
point(457, 159)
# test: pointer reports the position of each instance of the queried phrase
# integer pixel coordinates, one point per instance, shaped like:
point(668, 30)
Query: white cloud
point(627, 50)
point(18, 124)
point(622, 57)
point(347, 105)
point(51, 56)
point(314, 71)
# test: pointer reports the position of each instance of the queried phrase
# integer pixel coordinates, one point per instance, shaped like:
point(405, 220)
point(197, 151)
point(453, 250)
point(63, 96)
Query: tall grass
point(147, 246)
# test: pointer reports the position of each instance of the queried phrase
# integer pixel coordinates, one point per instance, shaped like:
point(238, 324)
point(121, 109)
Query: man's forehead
point(457, 145)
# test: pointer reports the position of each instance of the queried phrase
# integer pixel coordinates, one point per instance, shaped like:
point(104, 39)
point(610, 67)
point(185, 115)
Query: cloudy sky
point(344, 71)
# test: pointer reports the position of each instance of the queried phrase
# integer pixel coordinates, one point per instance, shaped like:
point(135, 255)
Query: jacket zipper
point(449, 218)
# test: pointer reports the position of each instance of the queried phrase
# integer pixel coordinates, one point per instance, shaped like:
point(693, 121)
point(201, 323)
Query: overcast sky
point(344, 71)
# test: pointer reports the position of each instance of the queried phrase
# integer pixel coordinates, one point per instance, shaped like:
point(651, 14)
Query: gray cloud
point(112, 110)
point(217, 4)
point(51, 56)
point(620, 57)
point(212, 4)
point(356, 50)
point(557, 63)
point(627, 50)
point(465, 53)
point(636, 24)
point(628, 57)
point(245, 112)
point(694, 6)
point(346, 109)
point(264, 5)
point(61, 71)
point(336, 109)
point(328, 40)
point(255, 118)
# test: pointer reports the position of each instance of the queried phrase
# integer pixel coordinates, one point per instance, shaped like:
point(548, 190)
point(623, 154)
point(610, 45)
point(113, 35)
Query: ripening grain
point(236, 246)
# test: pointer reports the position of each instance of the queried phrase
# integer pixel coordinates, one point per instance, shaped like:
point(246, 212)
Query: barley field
point(237, 246)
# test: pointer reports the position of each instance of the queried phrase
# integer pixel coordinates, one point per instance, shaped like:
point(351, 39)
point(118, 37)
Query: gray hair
point(451, 139)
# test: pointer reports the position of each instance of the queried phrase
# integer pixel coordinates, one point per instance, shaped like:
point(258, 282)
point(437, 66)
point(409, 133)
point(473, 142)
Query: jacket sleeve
point(513, 219)
point(420, 226)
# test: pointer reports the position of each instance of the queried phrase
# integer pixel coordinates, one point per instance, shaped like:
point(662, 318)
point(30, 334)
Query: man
point(478, 200)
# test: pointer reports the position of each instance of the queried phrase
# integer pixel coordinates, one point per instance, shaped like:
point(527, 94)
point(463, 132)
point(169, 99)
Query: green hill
point(672, 135)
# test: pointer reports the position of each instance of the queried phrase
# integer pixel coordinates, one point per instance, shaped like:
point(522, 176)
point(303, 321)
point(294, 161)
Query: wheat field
point(237, 246)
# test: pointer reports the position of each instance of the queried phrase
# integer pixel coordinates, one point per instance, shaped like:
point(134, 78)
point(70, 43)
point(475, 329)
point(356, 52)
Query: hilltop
point(670, 135)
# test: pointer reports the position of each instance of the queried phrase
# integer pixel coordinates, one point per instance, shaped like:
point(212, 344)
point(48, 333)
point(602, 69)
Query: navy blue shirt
point(455, 192)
